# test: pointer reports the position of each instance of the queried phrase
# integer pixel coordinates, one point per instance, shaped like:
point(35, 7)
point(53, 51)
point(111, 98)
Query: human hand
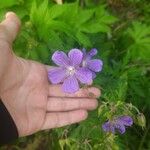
point(32, 101)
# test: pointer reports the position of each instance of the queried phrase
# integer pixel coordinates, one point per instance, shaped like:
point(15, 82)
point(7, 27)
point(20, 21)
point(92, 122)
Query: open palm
point(32, 101)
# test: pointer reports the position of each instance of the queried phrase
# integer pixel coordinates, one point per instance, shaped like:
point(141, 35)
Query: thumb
point(9, 27)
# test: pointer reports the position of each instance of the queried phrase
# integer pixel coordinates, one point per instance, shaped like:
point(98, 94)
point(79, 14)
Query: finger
point(66, 104)
point(55, 120)
point(9, 27)
point(56, 91)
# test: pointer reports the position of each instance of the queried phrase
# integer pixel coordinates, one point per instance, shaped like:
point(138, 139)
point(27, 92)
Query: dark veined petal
point(95, 65)
point(70, 85)
point(93, 75)
point(60, 58)
point(84, 75)
point(120, 127)
point(75, 56)
point(126, 120)
point(57, 75)
point(92, 52)
point(108, 127)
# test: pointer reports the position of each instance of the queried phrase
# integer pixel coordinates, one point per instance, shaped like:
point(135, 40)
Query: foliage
point(120, 31)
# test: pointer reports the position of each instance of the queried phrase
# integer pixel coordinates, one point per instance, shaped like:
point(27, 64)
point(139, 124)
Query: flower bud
point(141, 120)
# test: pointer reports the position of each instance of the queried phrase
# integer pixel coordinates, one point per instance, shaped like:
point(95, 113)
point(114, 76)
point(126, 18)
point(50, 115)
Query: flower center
point(71, 70)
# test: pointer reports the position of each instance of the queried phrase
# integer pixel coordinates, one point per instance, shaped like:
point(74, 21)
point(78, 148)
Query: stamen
point(71, 70)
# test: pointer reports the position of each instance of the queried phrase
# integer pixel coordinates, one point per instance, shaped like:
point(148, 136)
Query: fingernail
point(92, 95)
point(94, 92)
point(8, 14)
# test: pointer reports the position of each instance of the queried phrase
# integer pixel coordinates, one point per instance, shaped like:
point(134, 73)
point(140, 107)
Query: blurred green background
point(120, 30)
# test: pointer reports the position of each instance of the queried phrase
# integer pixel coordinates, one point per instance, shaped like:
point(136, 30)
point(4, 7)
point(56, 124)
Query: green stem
point(143, 138)
point(136, 109)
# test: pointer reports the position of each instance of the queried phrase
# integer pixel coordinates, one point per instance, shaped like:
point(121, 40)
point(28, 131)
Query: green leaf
point(103, 16)
point(69, 13)
point(84, 15)
point(56, 10)
point(94, 27)
point(61, 26)
point(8, 3)
point(38, 15)
point(83, 39)
point(54, 41)
point(140, 47)
point(100, 22)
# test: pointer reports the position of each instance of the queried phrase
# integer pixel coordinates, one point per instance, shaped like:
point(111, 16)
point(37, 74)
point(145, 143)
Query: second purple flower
point(118, 124)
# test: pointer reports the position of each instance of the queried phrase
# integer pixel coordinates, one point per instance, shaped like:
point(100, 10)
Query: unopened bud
point(141, 120)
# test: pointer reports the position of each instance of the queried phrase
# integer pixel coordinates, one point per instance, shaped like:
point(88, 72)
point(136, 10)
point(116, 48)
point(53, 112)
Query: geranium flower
point(69, 71)
point(93, 65)
point(118, 124)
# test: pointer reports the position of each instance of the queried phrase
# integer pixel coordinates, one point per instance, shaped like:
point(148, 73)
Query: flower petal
point(120, 127)
point(70, 85)
point(126, 120)
point(92, 52)
point(57, 75)
point(93, 75)
point(95, 65)
point(75, 56)
point(108, 127)
point(84, 75)
point(60, 58)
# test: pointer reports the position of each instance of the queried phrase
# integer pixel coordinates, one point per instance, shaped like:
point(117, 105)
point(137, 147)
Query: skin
point(32, 101)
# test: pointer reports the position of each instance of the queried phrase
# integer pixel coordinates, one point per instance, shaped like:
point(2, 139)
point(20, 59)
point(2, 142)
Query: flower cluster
point(74, 68)
point(118, 124)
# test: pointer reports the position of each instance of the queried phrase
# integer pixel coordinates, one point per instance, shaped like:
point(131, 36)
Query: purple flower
point(93, 65)
point(118, 124)
point(69, 70)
